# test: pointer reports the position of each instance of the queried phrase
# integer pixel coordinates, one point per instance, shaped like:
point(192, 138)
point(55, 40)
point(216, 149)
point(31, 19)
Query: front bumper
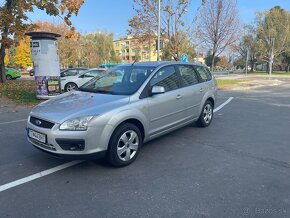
point(90, 144)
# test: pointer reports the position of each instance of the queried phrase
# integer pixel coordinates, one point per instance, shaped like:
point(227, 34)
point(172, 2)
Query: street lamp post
point(158, 40)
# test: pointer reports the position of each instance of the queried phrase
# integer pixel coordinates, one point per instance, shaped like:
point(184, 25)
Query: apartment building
point(130, 49)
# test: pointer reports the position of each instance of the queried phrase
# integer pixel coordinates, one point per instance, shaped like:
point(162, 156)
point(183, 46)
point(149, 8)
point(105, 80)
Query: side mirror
point(157, 90)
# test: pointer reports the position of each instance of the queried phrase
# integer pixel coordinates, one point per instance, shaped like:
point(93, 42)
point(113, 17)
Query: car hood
point(77, 104)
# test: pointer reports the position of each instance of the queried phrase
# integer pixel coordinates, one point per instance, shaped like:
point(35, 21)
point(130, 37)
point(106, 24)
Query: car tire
point(70, 87)
point(206, 115)
point(124, 145)
point(9, 77)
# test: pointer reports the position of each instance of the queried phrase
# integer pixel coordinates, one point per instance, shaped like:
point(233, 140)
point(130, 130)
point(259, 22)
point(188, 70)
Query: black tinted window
point(166, 77)
point(188, 75)
point(204, 73)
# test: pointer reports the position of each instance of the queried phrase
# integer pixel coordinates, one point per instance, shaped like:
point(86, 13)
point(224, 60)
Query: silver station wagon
point(113, 115)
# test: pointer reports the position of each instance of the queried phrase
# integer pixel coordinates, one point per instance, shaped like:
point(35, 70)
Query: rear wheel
point(70, 87)
point(206, 115)
point(9, 77)
point(124, 145)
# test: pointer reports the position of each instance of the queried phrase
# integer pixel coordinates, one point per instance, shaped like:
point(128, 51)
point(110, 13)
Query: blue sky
point(113, 15)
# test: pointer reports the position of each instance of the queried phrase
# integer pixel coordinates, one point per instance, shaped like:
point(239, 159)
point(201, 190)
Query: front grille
point(41, 123)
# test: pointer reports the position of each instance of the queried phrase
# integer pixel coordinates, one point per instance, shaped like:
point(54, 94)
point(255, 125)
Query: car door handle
point(178, 97)
point(201, 90)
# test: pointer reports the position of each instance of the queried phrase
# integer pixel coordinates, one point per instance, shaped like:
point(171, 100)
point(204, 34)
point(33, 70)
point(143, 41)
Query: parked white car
point(70, 83)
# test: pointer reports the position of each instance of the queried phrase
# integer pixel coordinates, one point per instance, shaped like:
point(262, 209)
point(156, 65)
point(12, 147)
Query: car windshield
point(120, 80)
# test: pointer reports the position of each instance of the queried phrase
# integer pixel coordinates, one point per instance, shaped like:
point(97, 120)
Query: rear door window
point(166, 77)
point(204, 73)
point(188, 75)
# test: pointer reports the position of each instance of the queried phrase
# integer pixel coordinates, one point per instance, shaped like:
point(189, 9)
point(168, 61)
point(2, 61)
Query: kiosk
point(46, 63)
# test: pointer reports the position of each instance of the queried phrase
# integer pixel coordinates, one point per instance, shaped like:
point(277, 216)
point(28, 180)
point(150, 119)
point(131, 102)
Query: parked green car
point(12, 73)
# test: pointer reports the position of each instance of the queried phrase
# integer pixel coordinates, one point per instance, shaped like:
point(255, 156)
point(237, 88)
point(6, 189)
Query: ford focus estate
point(113, 115)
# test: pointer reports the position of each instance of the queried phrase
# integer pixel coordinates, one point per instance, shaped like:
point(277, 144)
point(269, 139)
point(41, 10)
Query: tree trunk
point(267, 67)
point(4, 37)
point(252, 66)
point(2, 67)
point(212, 61)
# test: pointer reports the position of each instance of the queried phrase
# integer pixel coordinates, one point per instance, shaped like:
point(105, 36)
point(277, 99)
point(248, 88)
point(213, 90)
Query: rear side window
point(204, 73)
point(166, 77)
point(71, 72)
point(82, 71)
point(188, 75)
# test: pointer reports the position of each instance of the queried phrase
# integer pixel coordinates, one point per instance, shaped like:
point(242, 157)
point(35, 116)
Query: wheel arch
point(135, 122)
point(211, 100)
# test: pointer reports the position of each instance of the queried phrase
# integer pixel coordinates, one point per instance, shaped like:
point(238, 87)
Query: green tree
point(97, 48)
point(273, 29)
point(209, 59)
point(286, 58)
point(250, 45)
point(14, 20)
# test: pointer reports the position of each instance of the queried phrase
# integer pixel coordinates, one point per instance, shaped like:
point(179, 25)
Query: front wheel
point(9, 77)
point(70, 87)
point(124, 145)
point(206, 115)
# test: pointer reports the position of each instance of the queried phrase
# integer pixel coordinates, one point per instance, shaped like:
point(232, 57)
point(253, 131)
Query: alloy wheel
point(71, 87)
point(128, 145)
point(207, 113)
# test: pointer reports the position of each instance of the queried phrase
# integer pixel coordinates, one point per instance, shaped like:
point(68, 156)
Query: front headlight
point(76, 124)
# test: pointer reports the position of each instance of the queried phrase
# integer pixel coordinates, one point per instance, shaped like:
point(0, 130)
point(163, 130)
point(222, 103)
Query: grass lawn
point(227, 83)
point(21, 92)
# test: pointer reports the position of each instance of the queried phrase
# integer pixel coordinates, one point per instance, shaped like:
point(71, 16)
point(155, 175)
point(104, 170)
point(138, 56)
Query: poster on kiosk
point(45, 58)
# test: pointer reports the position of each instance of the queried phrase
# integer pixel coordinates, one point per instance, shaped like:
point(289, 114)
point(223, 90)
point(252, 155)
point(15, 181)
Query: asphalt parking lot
point(238, 167)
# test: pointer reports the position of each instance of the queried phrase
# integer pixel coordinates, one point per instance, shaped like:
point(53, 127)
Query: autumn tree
point(6, 58)
point(23, 54)
point(144, 23)
point(14, 20)
point(223, 62)
point(273, 29)
point(185, 46)
point(217, 25)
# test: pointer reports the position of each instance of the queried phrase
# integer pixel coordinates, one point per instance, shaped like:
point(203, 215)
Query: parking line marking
point(223, 104)
point(15, 121)
point(38, 175)
point(66, 165)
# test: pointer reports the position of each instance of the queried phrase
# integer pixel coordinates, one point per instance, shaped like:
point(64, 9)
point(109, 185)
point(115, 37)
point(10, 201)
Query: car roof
point(96, 69)
point(161, 63)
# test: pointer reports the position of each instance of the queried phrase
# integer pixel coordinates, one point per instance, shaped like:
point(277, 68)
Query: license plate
point(37, 136)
